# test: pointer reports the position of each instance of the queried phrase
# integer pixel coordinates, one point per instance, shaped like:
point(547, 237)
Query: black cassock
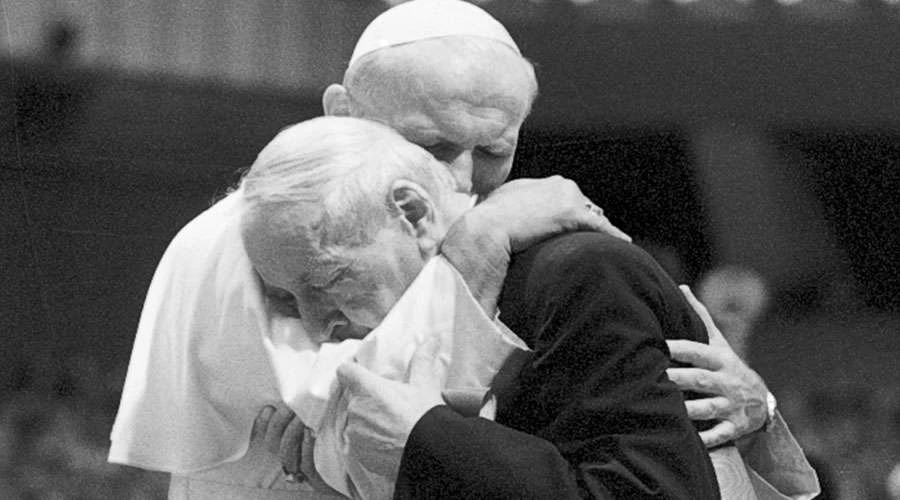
point(591, 413)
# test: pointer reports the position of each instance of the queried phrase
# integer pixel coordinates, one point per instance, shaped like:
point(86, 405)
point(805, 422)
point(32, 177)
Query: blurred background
point(752, 146)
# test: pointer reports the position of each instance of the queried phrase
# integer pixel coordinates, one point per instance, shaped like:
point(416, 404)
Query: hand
point(737, 393)
point(283, 434)
point(531, 210)
point(308, 465)
point(382, 413)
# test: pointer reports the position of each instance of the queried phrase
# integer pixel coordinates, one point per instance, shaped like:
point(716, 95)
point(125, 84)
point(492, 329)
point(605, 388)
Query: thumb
point(606, 226)
point(715, 335)
point(261, 422)
point(593, 221)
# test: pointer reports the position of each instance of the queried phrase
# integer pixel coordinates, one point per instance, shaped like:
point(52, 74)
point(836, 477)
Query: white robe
point(209, 354)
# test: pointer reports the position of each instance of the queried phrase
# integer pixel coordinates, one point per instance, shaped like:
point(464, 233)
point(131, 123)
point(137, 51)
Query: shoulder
point(591, 253)
point(207, 228)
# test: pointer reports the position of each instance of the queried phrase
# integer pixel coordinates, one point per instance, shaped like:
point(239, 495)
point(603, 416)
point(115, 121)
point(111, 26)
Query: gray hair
point(323, 185)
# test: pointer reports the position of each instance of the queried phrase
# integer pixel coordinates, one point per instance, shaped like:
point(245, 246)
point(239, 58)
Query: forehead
point(282, 250)
point(358, 275)
point(466, 94)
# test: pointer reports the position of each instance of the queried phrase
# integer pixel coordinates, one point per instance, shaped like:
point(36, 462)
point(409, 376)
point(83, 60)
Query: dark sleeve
point(454, 457)
point(593, 413)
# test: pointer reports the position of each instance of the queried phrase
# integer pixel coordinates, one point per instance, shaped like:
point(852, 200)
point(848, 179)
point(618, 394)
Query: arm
point(515, 216)
point(595, 417)
point(777, 465)
point(439, 453)
point(450, 456)
point(596, 312)
point(735, 394)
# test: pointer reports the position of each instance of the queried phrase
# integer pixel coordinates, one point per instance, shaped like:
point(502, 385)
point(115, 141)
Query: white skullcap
point(423, 19)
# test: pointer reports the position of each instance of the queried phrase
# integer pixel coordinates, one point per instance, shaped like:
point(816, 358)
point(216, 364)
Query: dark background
point(767, 137)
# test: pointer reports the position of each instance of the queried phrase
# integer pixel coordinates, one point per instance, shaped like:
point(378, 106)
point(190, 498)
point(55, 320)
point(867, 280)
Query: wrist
point(480, 253)
point(756, 440)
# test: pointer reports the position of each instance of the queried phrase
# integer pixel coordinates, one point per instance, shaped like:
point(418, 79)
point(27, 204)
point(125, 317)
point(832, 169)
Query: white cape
point(199, 373)
point(209, 354)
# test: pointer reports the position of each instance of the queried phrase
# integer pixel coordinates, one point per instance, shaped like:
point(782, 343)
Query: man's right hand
point(528, 211)
point(736, 395)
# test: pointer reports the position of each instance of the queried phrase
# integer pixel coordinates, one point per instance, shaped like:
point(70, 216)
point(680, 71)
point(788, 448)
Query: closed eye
point(495, 151)
point(444, 151)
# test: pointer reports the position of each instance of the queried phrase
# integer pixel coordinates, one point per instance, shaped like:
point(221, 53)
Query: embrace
point(425, 330)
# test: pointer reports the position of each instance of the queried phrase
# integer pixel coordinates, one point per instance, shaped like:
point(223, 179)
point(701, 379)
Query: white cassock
point(209, 354)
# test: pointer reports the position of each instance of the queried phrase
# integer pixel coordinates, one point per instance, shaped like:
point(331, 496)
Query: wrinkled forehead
point(279, 245)
point(438, 71)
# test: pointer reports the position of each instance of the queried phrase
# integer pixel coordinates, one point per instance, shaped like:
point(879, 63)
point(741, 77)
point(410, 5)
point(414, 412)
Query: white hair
point(324, 185)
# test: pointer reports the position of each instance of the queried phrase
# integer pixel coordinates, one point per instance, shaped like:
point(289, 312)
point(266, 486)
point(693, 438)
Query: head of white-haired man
point(342, 214)
point(448, 77)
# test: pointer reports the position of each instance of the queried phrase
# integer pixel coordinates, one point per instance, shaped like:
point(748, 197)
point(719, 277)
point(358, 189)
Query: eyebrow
point(335, 274)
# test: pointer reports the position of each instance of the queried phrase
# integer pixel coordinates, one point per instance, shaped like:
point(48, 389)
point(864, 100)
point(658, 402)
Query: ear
point(336, 100)
point(417, 209)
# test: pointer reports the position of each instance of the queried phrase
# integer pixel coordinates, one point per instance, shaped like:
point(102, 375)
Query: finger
point(708, 408)
point(715, 335)
point(307, 458)
point(308, 465)
point(427, 368)
point(720, 433)
point(290, 448)
point(697, 380)
point(277, 424)
point(590, 221)
point(698, 306)
point(259, 424)
point(696, 354)
point(607, 227)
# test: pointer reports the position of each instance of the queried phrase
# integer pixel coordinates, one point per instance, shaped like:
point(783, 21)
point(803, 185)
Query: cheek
point(363, 312)
point(370, 308)
point(489, 174)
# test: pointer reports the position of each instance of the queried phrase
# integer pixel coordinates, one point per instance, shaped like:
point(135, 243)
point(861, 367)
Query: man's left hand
point(737, 393)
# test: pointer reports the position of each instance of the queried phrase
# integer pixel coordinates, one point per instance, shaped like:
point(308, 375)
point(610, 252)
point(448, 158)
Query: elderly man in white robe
point(199, 371)
point(348, 217)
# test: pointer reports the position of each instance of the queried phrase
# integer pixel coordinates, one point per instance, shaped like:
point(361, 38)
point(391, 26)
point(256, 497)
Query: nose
point(350, 331)
point(462, 167)
point(322, 326)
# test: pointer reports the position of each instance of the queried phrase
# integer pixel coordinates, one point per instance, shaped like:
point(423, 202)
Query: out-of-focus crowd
point(851, 435)
point(55, 423)
point(54, 436)
point(850, 431)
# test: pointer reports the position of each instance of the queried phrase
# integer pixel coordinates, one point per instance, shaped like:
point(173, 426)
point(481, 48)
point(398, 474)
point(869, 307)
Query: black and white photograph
point(450, 249)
